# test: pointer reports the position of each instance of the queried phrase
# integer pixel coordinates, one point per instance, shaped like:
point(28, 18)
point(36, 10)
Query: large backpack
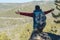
point(39, 18)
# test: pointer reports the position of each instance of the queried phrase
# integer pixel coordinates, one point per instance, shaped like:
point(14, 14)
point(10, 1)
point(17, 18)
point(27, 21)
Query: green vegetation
point(21, 29)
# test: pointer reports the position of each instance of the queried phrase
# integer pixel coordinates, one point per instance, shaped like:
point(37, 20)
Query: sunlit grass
point(4, 36)
point(21, 29)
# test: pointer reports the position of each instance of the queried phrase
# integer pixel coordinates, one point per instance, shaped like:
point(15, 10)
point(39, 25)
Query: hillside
point(18, 27)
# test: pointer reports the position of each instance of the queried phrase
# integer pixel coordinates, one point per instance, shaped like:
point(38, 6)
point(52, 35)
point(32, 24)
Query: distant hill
point(7, 6)
point(20, 27)
point(8, 9)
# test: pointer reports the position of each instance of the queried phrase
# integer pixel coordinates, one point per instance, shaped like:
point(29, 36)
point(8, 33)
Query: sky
point(19, 1)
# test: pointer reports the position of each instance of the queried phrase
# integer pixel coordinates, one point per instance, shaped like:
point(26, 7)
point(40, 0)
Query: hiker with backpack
point(39, 17)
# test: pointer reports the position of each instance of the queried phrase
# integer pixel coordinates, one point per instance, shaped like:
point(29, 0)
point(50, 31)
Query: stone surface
point(43, 36)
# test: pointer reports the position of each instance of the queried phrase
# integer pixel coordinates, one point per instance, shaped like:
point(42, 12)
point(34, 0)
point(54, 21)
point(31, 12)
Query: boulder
point(43, 36)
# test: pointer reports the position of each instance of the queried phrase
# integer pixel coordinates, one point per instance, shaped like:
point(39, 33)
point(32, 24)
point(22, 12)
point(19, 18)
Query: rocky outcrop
point(43, 36)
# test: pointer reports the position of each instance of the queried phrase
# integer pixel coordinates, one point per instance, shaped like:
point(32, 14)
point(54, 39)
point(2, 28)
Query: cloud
point(14, 1)
point(44, 0)
point(20, 1)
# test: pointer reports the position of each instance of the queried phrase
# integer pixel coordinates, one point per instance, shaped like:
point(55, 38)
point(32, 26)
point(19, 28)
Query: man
point(39, 18)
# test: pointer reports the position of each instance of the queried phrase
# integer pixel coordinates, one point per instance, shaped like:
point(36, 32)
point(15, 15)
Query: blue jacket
point(39, 18)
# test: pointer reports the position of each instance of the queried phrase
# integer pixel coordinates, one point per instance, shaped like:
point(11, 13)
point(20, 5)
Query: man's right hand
point(17, 12)
point(52, 9)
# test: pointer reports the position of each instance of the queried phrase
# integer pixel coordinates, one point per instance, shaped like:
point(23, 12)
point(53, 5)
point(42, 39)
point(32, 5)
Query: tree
point(57, 2)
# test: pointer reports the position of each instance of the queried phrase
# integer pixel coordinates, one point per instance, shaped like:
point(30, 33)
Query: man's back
point(38, 18)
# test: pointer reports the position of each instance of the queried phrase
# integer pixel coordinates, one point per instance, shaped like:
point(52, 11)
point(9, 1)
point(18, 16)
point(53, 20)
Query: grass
point(21, 29)
point(4, 36)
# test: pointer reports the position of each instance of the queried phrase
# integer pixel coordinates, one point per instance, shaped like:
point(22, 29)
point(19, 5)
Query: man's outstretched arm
point(31, 14)
point(25, 14)
point(46, 12)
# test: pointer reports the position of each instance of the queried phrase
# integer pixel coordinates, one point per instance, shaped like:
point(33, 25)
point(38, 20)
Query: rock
point(44, 36)
point(39, 36)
